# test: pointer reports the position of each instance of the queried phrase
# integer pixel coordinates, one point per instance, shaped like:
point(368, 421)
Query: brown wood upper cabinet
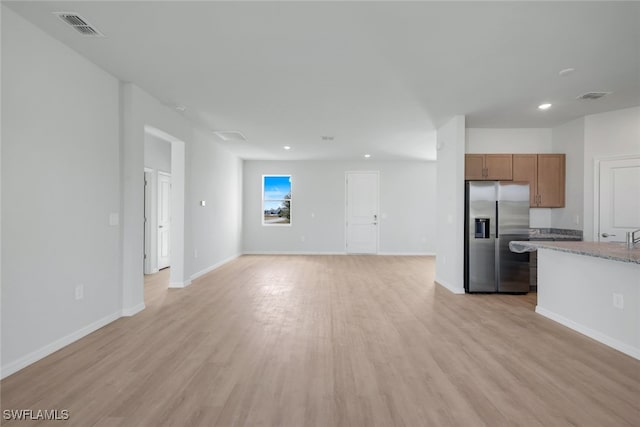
point(545, 174)
point(488, 167)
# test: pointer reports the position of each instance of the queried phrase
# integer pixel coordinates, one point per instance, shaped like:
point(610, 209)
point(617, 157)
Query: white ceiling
point(378, 76)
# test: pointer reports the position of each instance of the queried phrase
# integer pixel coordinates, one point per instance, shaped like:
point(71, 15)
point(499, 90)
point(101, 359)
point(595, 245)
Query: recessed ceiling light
point(181, 108)
point(544, 106)
point(286, 147)
point(566, 71)
point(366, 156)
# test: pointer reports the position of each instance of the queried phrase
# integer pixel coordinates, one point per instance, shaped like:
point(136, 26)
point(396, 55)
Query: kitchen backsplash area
point(554, 234)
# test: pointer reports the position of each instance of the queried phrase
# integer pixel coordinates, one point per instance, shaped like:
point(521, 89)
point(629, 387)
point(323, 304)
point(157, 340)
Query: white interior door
point(619, 197)
point(362, 212)
point(164, 219)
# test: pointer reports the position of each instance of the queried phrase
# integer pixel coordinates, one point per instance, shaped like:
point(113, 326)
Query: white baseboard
point(48, 349)
point(291, 253)
point(591, 333)
point(132, 311)
point(213, 267)
point(407, 253)
point(335, 253)
point(179, 285)
point(449, 286)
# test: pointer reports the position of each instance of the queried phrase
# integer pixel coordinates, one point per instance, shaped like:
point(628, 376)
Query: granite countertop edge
point(553, 236)
point(610, 251)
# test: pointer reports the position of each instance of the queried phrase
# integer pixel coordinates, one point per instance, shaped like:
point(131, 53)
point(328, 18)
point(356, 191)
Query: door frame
point(346, 207)
point(596, 188)
point(150, 267)
point(157, 216)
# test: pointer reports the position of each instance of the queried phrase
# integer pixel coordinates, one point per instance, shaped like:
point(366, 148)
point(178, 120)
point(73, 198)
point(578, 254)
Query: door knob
point(607, 235)
point(160, 226)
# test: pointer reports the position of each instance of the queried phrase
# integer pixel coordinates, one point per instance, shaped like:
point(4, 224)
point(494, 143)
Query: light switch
point(203, 203)
point(114, 219)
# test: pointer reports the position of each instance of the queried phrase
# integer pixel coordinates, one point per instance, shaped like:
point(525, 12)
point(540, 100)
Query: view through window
point(276, 199)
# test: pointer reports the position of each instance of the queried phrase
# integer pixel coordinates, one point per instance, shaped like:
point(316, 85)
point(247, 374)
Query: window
point(276, 199)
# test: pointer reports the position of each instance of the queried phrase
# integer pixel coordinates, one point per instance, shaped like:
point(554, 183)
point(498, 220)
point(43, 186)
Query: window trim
point(275, 200)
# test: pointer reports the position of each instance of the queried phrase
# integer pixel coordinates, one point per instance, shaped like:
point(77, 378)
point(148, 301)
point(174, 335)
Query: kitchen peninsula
point(591, 287)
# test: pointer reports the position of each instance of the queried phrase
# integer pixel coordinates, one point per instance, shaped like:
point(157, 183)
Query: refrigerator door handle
point(497, 220)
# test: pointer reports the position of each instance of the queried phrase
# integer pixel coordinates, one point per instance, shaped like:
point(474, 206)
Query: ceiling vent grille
point(593, 95)
point(230, 135)
point(79, 24)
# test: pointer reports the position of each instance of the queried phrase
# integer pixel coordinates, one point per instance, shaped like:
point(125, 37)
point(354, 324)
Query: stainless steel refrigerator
point(495, 214)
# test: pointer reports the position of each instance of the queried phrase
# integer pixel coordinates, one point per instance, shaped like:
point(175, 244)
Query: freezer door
point(481, 237)
point(513, 268)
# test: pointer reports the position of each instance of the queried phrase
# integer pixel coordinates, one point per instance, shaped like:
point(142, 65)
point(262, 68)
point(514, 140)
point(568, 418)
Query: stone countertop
point(553, 236)
point(614, 251)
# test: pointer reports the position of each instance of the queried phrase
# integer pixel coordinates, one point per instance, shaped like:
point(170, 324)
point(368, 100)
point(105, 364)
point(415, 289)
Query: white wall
point(216, 178)
point(450, 205)
point(569, 139)
point(72, 154)
point(607, 134)
point(407, 206)
point(514, 140)
point(60, 182)
point(157, 153)
point(203, 164)
point(577, 291)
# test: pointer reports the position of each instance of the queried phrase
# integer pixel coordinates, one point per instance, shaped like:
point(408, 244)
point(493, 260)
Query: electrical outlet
point(577, 219)
point(618, 301)
point(302, 239)
point(195, 253)
point(79, 292)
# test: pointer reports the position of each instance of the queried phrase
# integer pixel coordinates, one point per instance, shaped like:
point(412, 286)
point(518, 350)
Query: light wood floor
point(331, 341)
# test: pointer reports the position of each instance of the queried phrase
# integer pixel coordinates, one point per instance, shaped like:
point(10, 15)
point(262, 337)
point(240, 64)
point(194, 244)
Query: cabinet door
point(499, 167)
point(474, 166)
point(551, 180)
point(525, 169)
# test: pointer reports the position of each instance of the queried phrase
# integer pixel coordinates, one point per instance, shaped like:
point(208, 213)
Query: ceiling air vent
point(593, 95)
point(79, 24)
point(230, 135)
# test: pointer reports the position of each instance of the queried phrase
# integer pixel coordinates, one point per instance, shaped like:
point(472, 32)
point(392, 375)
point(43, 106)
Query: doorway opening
point(164, 172)
point(157, 203)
